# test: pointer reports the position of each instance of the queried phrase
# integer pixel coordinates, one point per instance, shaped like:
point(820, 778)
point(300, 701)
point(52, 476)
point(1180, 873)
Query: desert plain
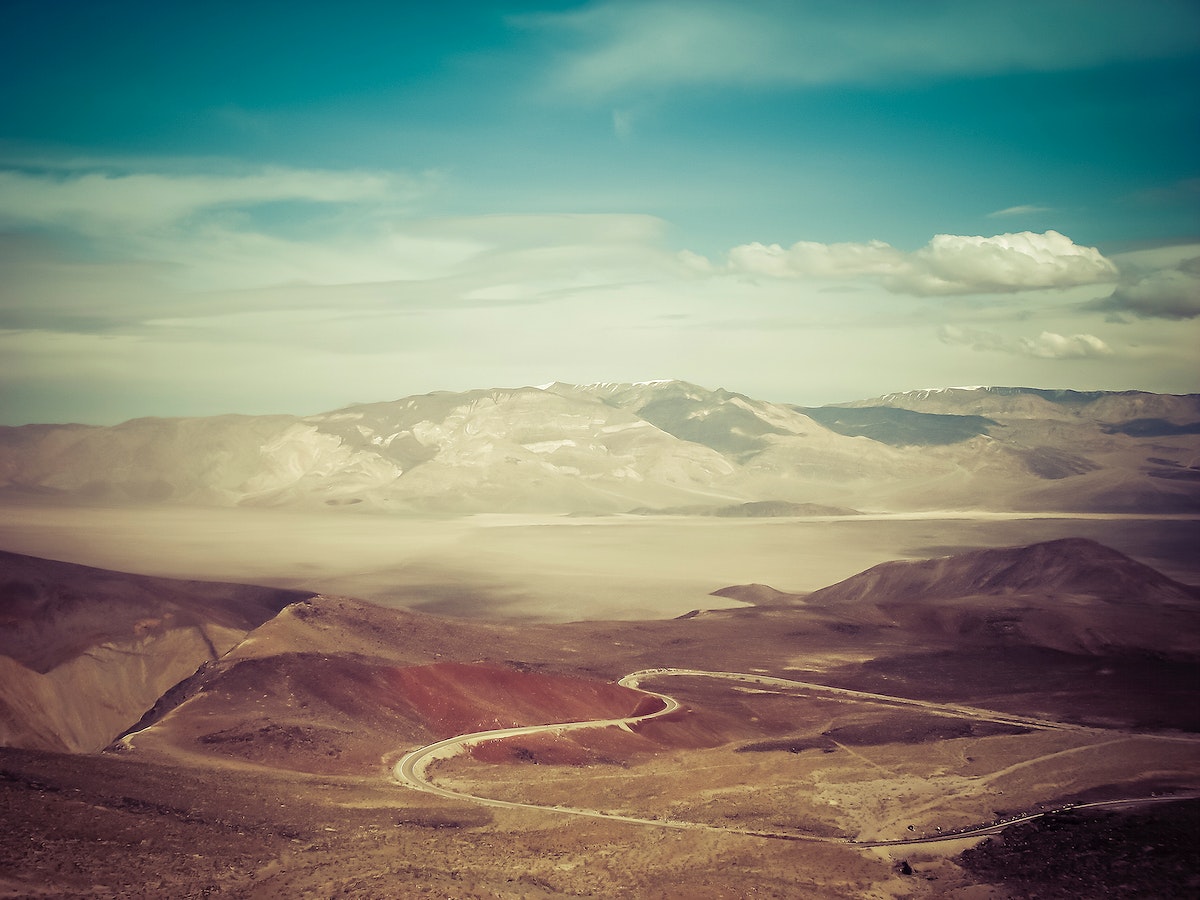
point(551, 567)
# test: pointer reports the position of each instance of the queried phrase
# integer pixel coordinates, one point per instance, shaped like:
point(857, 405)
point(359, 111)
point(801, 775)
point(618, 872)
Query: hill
point(1072, 566)
point(1072, 595)
point(84, 652)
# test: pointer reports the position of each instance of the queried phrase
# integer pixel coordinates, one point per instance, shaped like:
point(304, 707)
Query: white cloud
point(953, 264)
point(220, 258)
point(948, 264)
point(1047, 345)
point(806, 258)
point(651, 43)
point(165, 244)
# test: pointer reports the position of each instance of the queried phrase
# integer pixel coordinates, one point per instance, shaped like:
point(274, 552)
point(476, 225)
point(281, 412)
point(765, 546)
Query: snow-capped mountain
point(652, 445)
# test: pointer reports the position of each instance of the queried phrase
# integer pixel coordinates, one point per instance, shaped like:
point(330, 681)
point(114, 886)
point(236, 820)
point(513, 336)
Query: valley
point(549, 567)
point(785, 657)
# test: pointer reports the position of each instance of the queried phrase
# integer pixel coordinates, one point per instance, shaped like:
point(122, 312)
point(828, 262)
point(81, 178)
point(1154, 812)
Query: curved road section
point(413, 768)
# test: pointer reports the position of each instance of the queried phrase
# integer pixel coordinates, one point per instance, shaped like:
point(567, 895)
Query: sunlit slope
point(669, 445)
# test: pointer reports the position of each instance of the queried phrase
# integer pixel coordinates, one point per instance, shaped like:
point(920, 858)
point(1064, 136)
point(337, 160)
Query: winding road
point(413, 768)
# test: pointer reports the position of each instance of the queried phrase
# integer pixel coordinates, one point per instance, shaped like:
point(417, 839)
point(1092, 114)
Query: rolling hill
point(88, 654)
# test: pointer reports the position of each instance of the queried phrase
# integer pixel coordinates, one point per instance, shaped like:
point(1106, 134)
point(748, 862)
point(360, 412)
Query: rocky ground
point(1148, 853)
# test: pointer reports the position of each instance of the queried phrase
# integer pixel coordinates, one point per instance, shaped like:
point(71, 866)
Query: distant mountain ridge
point(616, 447)
point(1106, 406)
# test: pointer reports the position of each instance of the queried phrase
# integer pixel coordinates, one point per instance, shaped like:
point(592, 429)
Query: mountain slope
point(1069, 566)
point(1038, 403)
point(84, 652)
point(607, 448)
point(1072, 595)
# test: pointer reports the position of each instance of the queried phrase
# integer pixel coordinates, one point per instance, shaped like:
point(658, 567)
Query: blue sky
point(288, 207)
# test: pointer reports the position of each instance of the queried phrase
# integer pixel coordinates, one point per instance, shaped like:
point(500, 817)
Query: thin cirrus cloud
point(621, 45)
point(132, 201)
point(947, 265)
point(167, 245)
point(1013, 211)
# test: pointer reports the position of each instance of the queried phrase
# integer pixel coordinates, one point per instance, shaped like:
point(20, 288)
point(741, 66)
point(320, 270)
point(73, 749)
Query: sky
point(287, 208)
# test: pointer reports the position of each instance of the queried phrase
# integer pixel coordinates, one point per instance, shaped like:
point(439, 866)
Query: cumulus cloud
point(953, 264)
point(1047, 345)
point(1168, 293)
point(948, 264)
point(658, 43)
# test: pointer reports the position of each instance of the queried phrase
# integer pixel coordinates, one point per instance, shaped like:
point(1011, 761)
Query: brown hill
point(84, 652)
point(334, 685)
point(1073, 595)
point(1074, 566)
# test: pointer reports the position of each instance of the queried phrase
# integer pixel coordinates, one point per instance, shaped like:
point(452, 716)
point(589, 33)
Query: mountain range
point(664, 446)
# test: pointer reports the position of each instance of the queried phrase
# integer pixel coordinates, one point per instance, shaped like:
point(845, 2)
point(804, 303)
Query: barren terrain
point(268, 773)
point(617, 640)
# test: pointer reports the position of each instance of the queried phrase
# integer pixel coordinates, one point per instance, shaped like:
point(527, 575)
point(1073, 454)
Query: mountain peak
point(596, 386)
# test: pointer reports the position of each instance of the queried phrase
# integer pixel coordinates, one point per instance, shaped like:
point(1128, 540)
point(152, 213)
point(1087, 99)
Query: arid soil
point(88, 830)
point(267, 773)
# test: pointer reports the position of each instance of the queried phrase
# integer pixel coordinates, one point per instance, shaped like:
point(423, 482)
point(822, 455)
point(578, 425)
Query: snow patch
point(625, 426)
point(548, 446)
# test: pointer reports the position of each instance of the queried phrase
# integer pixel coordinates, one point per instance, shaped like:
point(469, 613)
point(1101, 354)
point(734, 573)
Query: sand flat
point(543, 567)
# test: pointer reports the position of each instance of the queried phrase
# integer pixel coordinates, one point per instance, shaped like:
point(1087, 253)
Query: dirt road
point(413, 768)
